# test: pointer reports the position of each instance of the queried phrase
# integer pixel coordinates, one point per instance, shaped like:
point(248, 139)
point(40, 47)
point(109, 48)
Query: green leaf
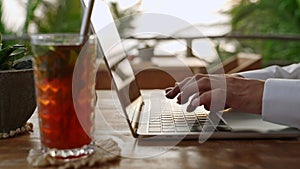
point(15, 56)
point(30, 9)
point(6, 53)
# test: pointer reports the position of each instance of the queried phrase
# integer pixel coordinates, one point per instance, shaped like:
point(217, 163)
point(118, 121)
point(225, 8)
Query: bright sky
point(193, 11)
point(13, 14)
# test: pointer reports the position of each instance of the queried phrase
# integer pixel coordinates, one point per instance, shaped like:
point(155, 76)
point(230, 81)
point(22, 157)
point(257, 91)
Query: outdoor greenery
point(65, 16)
point(59, 16)
point(268, 17)
point(248, 17)
point(12, 55)
point(68, 11)
point(62, 16)
point(10, 58)
point(124, 17)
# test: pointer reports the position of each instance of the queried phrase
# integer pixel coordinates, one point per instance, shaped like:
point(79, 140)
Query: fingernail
point(168, 89)
point(196, 102)
point(190, 108)
point(168, 92)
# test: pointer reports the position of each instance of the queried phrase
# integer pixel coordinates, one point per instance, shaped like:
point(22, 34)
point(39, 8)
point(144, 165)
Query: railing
point(189, 40)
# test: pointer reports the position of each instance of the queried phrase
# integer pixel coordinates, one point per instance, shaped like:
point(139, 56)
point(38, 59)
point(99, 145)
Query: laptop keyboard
point(173, 119)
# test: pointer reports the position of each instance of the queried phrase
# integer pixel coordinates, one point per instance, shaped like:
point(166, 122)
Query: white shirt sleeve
point(281, 102)
point(281, 97)
point(287, 72)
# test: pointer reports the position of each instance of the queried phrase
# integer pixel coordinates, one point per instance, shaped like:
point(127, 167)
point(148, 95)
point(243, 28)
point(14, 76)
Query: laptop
point(155, 115)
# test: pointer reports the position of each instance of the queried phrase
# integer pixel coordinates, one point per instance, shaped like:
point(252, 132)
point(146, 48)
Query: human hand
point(239, 93)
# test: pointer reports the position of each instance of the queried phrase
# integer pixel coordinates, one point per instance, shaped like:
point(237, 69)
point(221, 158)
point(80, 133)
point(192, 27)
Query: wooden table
point(186, 154)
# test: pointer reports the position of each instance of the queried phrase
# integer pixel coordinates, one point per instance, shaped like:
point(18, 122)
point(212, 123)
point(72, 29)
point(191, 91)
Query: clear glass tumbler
point(65, 70)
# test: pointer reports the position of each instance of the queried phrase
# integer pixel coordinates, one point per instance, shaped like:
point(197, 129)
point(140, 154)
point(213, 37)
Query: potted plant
point(17, 93)
point(146, 52)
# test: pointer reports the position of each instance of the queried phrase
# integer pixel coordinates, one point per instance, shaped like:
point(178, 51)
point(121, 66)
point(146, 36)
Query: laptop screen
point(116, 58)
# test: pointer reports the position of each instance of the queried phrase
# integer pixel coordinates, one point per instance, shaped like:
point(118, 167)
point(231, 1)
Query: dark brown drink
point(65, 82)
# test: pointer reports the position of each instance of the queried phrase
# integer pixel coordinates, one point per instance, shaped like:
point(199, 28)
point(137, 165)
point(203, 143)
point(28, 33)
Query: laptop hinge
point(136, 117)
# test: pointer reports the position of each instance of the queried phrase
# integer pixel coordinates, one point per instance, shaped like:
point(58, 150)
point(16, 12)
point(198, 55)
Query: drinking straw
point(85, 24)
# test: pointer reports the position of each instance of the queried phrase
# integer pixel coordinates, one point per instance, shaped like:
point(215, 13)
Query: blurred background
point(268, 28)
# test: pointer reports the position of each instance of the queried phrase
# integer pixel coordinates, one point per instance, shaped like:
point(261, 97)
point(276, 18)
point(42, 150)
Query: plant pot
point(146, 54)
point(17, 98)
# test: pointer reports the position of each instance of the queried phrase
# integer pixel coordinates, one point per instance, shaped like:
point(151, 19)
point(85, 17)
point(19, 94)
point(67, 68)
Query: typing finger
point(194, 87)
point(173, 92)
point(219, 102)
point(168, 89)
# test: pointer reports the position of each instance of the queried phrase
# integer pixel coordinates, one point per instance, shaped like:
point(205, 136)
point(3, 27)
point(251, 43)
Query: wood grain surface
point(137, 154)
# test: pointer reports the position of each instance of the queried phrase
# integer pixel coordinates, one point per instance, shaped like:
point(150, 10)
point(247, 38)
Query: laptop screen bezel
point(131, 91)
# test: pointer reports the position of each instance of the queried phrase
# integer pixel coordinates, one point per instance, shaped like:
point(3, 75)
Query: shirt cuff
point(281, 102)
point(256, 74)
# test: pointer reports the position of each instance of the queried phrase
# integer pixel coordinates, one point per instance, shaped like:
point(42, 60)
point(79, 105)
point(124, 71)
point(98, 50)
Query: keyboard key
point(154, 125)
point(155, 121)
point(154, 129)
point(168, 124)
point(189, 114)
point(168, 129)
point(202, 120)
point(179, 120)
point(192, 121)
point(182, 124)
point(201, 116)
point(191, 118)
point(167, 119)
point(173, 119)
point(177, 112)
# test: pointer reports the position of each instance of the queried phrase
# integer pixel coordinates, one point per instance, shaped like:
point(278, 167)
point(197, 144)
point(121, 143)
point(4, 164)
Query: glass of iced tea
point(65, 70)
